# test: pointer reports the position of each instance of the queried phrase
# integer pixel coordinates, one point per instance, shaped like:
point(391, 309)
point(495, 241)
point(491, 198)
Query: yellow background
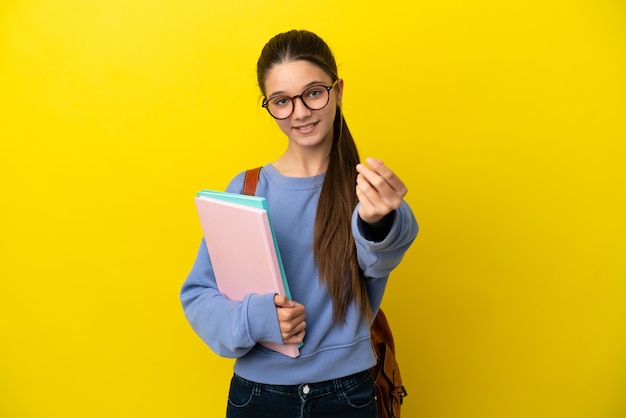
point(505, 119)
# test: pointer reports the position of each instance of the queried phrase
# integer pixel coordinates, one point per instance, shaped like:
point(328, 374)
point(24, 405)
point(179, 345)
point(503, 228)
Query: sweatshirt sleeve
point(379, 258)
point(230, 328)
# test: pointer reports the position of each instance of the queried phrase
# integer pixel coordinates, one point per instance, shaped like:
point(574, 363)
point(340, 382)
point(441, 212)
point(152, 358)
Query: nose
point(300, 111)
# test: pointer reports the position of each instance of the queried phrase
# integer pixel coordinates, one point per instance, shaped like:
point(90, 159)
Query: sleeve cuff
point(262, 319)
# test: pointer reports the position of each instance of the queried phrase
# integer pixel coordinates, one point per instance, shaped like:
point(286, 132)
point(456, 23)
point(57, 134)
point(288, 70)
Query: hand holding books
point(291, 316)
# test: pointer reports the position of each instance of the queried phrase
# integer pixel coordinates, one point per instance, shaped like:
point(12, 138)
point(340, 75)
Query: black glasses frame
point(266, 100)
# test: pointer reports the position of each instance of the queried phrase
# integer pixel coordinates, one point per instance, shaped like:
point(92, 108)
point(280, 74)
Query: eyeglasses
point(314, 98)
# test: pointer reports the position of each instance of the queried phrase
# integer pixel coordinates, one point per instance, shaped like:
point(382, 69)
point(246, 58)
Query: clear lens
point(280, 107)
point(316, 97)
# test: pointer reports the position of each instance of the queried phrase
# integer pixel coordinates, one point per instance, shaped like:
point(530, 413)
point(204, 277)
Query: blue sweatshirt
point(232, 329)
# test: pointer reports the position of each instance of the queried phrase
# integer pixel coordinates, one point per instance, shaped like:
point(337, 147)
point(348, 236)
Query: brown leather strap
point(250, 181)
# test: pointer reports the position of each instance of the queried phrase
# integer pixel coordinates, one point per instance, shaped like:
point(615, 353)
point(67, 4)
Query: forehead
point(292, 77)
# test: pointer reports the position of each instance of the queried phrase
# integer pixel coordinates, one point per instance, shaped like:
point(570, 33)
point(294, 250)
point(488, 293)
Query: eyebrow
point(311, 84)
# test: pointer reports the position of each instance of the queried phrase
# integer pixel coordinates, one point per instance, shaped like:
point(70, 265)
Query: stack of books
point(243, 249)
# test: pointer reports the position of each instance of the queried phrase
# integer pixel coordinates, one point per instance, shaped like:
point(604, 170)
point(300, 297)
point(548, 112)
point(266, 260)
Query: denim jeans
point(351, 396)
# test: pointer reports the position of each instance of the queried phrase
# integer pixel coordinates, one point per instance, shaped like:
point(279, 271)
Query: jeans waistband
point(313, 389)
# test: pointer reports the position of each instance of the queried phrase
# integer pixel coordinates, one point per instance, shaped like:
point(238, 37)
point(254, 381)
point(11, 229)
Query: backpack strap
point(251, 180)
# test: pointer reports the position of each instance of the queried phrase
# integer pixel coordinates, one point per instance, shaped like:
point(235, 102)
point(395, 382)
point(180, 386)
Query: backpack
point(386, 373)
point(389, 389)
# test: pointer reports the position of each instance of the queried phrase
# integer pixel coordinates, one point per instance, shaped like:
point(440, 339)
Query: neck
point(302, 163)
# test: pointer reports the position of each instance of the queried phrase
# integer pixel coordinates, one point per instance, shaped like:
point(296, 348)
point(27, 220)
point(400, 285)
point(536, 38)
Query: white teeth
point(304, 128)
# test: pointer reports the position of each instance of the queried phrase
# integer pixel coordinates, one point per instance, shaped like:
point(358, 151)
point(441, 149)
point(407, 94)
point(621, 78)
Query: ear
point(339, 90)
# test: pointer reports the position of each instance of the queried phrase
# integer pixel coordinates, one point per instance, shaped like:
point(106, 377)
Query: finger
point(293, 329)
point(378, 195)
point(295, 339)
point(296, 329)
point(367, 210)
point(282, 301)
point(375, 180)
point(379, 191)
point(379, 167)
point(390, 178)
point(290, 328)
point(291, 315)
point(375, 204)
point(363, 189)
point(368, 198)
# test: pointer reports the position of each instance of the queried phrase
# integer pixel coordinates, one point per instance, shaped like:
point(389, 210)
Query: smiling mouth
point(305, 128)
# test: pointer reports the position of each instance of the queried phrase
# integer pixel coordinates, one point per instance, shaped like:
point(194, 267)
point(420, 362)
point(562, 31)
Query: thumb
point(282, 301)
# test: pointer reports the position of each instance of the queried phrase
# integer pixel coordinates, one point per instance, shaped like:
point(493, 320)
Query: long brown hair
point(333, 246)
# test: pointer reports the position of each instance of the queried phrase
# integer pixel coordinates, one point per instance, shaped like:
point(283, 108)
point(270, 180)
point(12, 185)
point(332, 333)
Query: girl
point(341, 226)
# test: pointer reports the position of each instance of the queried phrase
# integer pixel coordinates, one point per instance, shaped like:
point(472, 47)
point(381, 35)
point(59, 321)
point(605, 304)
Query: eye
point(316, 91)
point(280, 101)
